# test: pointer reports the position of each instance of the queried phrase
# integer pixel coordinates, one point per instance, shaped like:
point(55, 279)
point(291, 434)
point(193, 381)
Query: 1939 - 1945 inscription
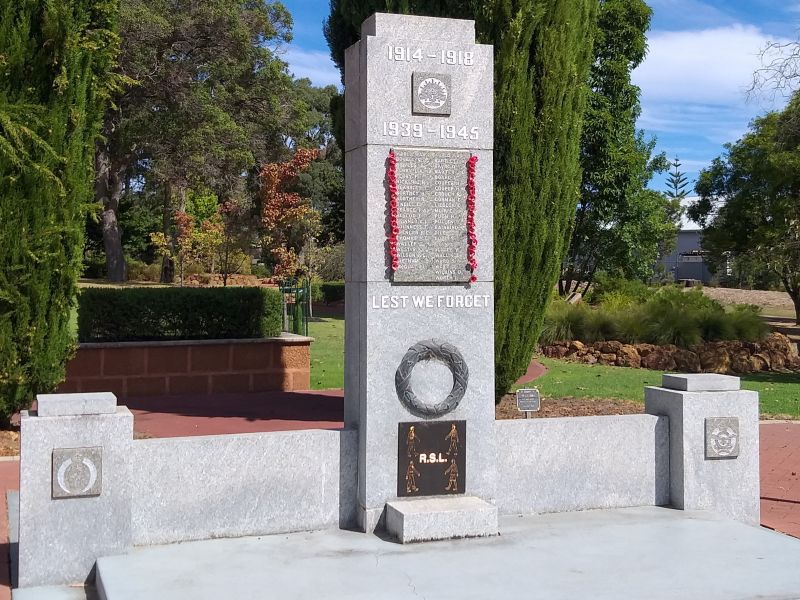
point(432, 216)
point(431, 458)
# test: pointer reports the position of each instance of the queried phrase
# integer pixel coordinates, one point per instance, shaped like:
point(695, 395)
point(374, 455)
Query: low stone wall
point(775, 353)
point(582, 463)
point(237, 485)
point(191, 367)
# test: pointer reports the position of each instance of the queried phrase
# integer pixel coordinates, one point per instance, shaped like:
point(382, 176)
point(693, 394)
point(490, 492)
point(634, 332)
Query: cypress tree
point(56, 61)
point(543, 49)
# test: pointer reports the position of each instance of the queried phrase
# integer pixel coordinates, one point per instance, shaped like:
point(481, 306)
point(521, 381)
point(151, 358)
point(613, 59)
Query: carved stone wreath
point(441, 352)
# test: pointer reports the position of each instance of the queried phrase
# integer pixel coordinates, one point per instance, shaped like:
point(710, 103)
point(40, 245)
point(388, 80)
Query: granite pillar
point(421, 89)
point(713, 430)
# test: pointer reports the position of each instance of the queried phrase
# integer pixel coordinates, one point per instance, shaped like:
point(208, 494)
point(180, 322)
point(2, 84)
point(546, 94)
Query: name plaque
point(528, 400)
point(431, 458)
point(432, 216)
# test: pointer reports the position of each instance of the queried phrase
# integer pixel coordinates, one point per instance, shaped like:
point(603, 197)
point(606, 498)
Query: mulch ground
point(569, 407)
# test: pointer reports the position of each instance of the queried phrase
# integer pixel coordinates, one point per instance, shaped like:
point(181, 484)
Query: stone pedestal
point(713, 443)
point(81, 509)
point(428, 519)
point(418, 89)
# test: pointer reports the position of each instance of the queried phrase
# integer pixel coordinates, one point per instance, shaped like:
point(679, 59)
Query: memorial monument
point(419, 360)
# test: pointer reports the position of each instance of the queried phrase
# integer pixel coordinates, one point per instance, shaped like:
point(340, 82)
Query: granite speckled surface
point(248, 484)
point(60, 539)
point(579, 463)
point(427, 519)
point(385, 319)
point(731, 486)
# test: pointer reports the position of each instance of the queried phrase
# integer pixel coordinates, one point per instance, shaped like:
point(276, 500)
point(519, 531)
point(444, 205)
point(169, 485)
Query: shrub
point(671, 316)
point(141, 271)
point(747, 323)
point(606, 288)
point(563, 322)
point(332, 291)
point(144, 314)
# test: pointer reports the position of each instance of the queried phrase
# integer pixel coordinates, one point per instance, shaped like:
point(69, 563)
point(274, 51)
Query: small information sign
point(528, 400)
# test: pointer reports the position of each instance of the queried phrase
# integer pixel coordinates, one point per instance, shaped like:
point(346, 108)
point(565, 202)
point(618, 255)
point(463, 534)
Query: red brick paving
point(780, 477)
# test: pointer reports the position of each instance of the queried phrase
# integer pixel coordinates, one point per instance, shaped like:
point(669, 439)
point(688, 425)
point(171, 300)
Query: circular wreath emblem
point(431, 350)
point(432, 92)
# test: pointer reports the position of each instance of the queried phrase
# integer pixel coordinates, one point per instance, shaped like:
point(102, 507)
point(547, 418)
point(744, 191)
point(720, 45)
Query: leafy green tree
point(56, 78)
point(750, 199)
point(207, 102)
point(543, 49)
point(620, 225)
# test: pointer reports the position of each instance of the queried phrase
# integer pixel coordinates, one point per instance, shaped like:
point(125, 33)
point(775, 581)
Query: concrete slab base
point(445, 518)
point(54, 593)
point(653, 553)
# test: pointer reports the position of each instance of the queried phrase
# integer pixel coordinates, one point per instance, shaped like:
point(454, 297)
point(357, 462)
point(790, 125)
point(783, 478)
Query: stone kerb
point(75, 500)
point(389, 312)
point(714, 443)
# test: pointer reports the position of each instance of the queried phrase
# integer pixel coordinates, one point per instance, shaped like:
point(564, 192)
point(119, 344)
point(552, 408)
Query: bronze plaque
point(431, 458)
point(432, 216)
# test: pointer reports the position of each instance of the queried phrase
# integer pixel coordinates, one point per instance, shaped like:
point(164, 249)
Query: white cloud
point(312, 64)
point(709, 66)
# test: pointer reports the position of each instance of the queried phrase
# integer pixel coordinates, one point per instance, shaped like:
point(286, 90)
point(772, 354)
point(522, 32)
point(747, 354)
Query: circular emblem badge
point(723, 440)
point(441, 352)
point(432, 93)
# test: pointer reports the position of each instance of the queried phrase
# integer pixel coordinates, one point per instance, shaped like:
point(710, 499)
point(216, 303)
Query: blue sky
point(694, 80)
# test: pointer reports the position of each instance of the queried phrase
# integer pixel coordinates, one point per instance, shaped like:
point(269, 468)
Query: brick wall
point(191, 367)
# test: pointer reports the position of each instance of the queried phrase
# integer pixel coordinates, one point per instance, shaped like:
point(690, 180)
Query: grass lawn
point(327, 353)
point(779, 392)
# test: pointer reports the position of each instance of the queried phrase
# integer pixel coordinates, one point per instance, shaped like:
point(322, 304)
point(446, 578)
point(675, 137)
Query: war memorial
point(422, 493)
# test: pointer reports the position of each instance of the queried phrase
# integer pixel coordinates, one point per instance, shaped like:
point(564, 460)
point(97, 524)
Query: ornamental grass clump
point(671, 315)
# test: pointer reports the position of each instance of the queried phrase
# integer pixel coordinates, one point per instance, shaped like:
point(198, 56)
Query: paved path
point(780, 477)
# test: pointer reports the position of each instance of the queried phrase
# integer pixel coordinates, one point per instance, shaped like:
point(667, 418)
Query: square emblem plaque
point(77, 472)
point(722, 437)
point(431, 94)
point(431, 458)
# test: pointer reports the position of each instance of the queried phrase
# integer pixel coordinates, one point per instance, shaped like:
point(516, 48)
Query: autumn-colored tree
point(288, 221)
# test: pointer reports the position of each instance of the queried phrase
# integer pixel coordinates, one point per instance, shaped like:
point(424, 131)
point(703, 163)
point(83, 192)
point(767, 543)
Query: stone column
point(713, 427)
point(74, 497)
point(420, 89)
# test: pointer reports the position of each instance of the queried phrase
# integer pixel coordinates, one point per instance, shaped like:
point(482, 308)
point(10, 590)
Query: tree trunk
point(108, 191)
point(167, 264)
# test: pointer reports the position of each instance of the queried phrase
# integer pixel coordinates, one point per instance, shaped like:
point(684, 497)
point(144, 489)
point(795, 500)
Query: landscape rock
point(660, 359)
point(686, 361)
point(627, 356)
point(775, 353)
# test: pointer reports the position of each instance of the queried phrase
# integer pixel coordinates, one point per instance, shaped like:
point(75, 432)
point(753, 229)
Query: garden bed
point(776, 353)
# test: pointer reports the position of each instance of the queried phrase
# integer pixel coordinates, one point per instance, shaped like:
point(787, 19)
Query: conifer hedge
point(56, 75)
point(543, 49)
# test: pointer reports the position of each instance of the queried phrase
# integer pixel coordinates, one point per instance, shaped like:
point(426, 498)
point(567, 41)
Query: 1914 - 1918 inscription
point(431, 458)
point(432, 216)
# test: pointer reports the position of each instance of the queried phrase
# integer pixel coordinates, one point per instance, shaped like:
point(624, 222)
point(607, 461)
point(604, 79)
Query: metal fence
point(296, 296)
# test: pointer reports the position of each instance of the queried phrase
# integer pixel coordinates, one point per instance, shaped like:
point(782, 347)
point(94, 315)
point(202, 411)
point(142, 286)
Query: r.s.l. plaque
point(431, 458)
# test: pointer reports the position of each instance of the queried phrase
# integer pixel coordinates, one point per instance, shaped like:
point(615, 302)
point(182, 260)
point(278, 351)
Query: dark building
point(687, 262)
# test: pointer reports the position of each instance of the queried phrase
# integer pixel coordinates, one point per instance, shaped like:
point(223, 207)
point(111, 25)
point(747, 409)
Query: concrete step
point(55, 593)
point(653, 553)
point(442, 518)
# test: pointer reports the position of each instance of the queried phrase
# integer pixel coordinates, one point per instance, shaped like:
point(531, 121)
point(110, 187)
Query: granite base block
point(205, 487)
point(428, 519)
point(700, 382)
